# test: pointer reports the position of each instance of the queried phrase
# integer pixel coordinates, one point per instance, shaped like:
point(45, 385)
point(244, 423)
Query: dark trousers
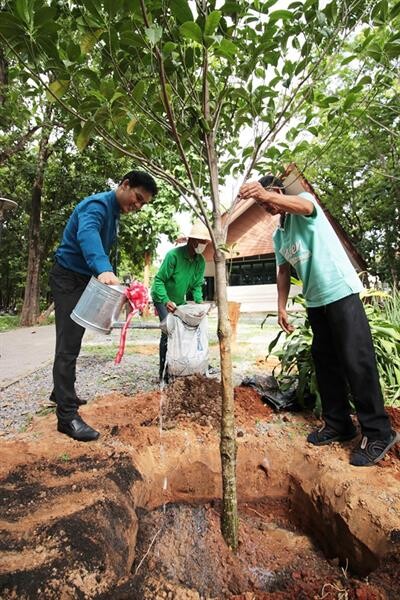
point(344, 358)
point(162, 313)
point(67, 287)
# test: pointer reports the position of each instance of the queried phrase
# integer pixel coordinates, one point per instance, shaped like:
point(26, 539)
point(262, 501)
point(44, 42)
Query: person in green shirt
point(342, 346)
point(181, 273)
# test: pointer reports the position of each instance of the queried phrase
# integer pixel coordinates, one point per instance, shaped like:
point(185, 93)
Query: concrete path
point(24, 350)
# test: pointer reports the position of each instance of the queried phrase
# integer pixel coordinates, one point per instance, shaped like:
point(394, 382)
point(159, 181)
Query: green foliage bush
point(296, 365)
point(8, 322)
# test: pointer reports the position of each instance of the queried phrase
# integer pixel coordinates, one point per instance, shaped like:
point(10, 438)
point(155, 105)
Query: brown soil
point(71, 512)
point(198, 399)
point(184, 555)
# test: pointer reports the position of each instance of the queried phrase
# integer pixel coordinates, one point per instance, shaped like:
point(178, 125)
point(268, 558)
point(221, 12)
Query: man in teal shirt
point(342, 345)
point(181, 273)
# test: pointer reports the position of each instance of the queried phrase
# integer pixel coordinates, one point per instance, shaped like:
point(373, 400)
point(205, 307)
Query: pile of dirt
point(195, 398)
point(181, 554)
point(198, 399)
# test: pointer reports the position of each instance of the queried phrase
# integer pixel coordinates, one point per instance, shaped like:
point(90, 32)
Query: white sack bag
point(187, 351)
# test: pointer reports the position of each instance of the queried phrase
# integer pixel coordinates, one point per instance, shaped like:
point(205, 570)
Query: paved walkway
point(23, 350)
point(26, 349)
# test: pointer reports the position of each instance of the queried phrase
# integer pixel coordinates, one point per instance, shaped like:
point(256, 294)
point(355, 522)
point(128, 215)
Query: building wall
point(259, 298)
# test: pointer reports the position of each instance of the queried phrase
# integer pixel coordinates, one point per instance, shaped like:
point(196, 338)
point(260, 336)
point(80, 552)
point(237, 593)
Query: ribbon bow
point(138, 297)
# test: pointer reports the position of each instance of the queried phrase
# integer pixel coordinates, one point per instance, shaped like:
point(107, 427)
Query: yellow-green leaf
point(84, 135)
point(131, 125)
point(89, 40)
point(58, 89)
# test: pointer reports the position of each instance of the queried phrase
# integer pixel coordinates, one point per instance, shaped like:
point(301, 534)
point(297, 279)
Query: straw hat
point(199, 232)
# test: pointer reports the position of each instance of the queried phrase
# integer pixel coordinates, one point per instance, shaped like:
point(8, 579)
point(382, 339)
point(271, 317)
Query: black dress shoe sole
point(93, 438)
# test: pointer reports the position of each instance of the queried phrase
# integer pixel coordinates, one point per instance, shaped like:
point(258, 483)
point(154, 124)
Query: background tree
point(69, 177)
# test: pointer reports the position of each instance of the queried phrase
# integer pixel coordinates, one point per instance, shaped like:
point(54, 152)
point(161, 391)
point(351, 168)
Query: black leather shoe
point(79, 401)
point(78, 430)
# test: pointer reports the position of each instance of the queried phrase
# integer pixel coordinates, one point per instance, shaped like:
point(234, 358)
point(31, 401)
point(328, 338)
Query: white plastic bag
point(187, 351)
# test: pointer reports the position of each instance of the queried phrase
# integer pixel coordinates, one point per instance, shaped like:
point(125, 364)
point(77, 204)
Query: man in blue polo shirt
point(342, 345)
point(88, 236)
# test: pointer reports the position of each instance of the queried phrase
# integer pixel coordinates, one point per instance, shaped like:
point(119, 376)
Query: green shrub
point(383, 317)
point(297, 366)
point(8, 322)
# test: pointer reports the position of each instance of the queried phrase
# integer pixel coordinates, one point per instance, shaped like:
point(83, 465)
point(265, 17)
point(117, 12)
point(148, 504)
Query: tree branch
point(18, 146)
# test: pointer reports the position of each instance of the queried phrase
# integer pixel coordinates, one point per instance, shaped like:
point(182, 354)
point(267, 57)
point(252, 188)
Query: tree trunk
point(31, 308)
point(229, 517)
point(3, 77)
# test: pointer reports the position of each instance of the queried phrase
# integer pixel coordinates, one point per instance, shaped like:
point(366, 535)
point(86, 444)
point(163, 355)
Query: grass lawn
point(251, 343)
point(8, 322)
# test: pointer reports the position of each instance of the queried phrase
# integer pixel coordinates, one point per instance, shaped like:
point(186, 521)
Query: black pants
point(344, 357)
point(67, 287)
point(162, 313)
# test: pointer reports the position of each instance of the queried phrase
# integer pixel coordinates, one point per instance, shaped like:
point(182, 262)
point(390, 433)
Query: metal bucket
point(99, 306)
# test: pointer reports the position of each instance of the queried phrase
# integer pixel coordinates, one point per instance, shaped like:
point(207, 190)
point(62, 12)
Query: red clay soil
point(77, 519)
point(181, 554)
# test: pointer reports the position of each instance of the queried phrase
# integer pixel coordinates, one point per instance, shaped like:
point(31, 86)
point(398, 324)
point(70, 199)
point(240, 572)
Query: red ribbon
point(138, 297)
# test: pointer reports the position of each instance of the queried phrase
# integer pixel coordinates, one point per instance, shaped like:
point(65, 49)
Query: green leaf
point(138, 91)
point(112, 6)
point(364, 80)
point(84, 135)
point(116, 97)
point(375, 51)
point(58, 88)
point(92, 6)
point(73, 51)
point(350, 100)
point(191, 31)
point(154, 33)
point(395, 10)
point(212, 22)
point(349, 59)
point(392, 49)
point(274, 342)
point(45, 15)
point(280, 14)
point(24, 10)
point(10, 26)
point(180, 10)
point(227, 48)
point(107, 88)
point(168, 47)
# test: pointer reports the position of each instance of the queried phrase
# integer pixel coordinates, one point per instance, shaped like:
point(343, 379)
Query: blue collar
point(114, 203)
